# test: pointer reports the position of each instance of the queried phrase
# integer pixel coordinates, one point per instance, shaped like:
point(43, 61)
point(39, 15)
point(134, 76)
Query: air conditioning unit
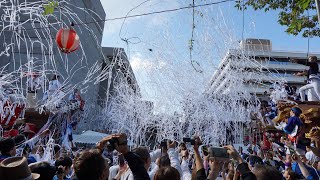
point(256, 45)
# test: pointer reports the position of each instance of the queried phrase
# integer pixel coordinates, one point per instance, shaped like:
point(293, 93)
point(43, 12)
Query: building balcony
point(274, 54)
point(272, 77)
point(275, 65)
point(222, 85)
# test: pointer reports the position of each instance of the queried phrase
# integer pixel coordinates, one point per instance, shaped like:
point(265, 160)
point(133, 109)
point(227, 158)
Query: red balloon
point(67, 40)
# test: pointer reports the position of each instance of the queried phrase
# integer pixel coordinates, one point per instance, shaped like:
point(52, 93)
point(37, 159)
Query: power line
point(140, 15)
point(168, 10)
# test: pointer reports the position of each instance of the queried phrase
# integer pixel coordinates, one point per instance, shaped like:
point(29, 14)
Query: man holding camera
point(215, 161)
point(137, 165)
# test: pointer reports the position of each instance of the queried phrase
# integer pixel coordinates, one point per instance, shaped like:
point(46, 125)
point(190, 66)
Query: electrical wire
point(139, 15)
point(127, 40)
point(123, 39)
point(192, 40)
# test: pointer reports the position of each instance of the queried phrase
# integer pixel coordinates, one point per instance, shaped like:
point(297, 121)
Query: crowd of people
point(112, 158)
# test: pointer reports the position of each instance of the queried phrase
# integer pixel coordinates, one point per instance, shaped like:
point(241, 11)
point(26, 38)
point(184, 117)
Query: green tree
point(298, 15)
point(49, 7)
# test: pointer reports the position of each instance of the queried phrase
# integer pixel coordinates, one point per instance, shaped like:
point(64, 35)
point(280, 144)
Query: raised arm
point(201, 173)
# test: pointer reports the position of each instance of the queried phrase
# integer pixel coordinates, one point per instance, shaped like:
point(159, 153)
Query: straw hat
point(16, 168)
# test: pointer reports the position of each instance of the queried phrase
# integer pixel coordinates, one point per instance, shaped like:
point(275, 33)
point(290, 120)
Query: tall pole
point(318, 10)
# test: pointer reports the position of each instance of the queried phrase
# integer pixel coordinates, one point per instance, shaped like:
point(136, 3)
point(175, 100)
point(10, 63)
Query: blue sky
point(266, 25)
point(165, 74)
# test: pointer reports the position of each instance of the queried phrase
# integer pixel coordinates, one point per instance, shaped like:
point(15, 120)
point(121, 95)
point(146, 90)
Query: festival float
point(310, 117)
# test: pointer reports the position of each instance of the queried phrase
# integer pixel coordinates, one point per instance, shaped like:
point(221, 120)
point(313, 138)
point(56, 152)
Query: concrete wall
point(121, 72)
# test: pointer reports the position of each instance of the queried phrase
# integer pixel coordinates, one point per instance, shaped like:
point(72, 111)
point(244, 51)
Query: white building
point(257, 66)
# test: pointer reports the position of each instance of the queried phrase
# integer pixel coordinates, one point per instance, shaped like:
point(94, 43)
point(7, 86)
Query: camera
point(111, 144)
point(164, 143)
point(190, 140)
point(218, 153)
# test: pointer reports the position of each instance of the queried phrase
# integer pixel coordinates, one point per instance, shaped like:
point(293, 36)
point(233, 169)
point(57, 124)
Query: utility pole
point(318, 10)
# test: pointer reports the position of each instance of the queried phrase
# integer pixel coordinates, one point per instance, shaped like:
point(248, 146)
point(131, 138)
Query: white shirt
point(54, 85)
point(113, 171)
point(312, 157)
point(34, 83)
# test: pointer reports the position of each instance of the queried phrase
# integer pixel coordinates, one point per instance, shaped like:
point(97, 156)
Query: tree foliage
point(49, 8)
point(299, 16)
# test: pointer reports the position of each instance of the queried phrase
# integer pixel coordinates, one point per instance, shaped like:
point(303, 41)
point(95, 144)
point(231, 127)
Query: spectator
point(228, 171)
point(164, 161)
point(16, 168)
point(186, 175)
point(182, 147)
point(173, 155)
point(289, 89)
point(167, 173)
point(144, 155)
point(268, 160)
point(200, 171)
point(137, 164)
point(302, 169)
point(7, 148)
point(19, 139)
point(25, 152)
point(290, 175)
point(243, 169)
point(57, 153)
point(91, 165)
point(314, 135)
point(311, 157)
point(265, 172)
point(45, 169)
point(254, 160)
point(270, 114)
point(63, 164)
